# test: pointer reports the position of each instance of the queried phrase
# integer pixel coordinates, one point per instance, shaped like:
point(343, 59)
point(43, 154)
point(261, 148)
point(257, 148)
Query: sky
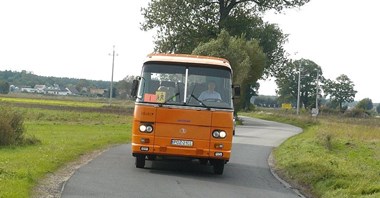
point(75, 38)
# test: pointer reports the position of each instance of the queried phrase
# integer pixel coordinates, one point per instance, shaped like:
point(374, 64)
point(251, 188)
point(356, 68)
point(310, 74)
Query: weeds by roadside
point(12, 130)
point(64, 135)
point(333, 157)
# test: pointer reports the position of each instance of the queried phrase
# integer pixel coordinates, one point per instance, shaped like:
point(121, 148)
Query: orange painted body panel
point(184, 116)
point(145, 113)
point(179, 131)
point(193, 125)
point(222, 119)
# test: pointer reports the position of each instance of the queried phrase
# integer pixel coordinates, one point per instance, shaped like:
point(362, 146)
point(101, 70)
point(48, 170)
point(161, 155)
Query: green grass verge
point(64, 136)
point(333, 157)
point(64, 101)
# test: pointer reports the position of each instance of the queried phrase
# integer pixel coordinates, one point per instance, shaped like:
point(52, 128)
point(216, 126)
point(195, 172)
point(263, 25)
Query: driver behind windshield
point(210, 93)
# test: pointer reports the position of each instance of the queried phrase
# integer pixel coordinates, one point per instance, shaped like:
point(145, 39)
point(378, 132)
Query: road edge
point(271, 163)
point(53, 184)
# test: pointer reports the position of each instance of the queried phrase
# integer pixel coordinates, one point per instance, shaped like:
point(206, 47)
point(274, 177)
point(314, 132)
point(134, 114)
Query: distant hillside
point(28, 79)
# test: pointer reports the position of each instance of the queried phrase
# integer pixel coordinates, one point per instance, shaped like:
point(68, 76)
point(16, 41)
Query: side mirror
point(135, 86)
point(236, 91)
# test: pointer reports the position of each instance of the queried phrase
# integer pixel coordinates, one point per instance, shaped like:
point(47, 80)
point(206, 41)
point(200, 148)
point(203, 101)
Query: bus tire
point(218, 167)
point(140, 161)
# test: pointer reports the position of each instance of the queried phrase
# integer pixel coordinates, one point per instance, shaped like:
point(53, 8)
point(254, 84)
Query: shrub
point(365, 104)
point(325, 110)
point(11, 126)
point(356, 113)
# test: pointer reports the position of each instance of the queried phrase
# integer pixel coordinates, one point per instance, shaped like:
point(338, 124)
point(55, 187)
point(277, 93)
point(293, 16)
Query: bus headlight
point(149, 129)
point(146, 128)
point(222, 134)
point(215, 134)
point(219, 134)
point(142, 128)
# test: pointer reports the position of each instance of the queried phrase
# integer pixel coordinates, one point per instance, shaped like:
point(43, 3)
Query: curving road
point(113, 174)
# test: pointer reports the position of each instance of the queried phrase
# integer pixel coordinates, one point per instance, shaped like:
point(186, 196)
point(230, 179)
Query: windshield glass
point(188, 85)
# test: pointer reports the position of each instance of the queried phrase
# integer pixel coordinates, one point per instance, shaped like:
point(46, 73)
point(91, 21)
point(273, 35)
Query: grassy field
point(64, 136)
point(336, 157)
point(64, 101)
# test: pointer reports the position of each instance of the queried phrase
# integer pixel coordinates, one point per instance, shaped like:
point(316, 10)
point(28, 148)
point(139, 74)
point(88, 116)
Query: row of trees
point(121, 89)
point(312, 85)
point(25, 78)
point(362, 108)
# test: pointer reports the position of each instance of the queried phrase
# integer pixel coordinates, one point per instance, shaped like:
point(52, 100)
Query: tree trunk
point(224, 10)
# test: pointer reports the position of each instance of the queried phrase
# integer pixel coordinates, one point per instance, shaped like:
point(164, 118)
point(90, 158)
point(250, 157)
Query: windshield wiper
point(192, 95)
point(175, 95)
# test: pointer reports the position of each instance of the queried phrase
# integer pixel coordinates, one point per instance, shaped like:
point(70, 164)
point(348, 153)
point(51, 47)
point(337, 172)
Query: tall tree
point(82, 83)
point(4, 87)
point(124, 86)
point(365, 104)
point(246, 58)
point(341, 90)
point(182, 25)
point(287, 82)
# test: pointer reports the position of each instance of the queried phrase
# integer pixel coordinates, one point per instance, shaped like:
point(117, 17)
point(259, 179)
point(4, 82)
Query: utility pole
point(113, 62)
point(317, 93)
point(299, 87)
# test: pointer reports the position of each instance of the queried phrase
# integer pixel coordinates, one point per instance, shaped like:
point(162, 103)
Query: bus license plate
point(182, 142)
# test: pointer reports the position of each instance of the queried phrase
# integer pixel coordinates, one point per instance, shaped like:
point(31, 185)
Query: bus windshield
point(186, 85)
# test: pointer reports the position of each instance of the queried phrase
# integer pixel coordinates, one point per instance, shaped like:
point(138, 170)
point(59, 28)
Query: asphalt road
point(113, 174)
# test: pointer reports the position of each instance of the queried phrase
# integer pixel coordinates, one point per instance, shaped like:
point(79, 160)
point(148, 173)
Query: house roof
point(73, 90)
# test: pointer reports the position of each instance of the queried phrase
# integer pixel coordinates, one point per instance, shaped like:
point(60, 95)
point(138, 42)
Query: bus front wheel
point(140, 161)
point(218, 166)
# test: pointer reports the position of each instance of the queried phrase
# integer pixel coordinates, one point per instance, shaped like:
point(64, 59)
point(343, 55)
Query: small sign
point(160, 96)
point(286, 106)
point(314, 111)
point(149, 97)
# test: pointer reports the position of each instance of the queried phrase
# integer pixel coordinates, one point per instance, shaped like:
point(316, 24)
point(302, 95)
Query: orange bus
point(184, 108)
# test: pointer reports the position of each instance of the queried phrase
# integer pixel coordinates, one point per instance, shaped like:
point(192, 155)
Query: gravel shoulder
point(53, 184)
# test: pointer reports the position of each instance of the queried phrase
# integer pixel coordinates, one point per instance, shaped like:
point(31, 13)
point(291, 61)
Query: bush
point(11, 127)
point(365, 104)
point(356, 113)
point(325, 110)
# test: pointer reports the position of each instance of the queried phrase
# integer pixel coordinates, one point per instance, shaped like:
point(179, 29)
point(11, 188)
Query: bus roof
point(187, 58)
